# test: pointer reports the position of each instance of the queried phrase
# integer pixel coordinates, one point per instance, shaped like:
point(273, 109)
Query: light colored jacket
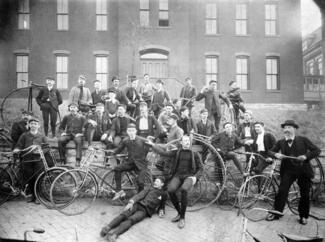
point(74, 95)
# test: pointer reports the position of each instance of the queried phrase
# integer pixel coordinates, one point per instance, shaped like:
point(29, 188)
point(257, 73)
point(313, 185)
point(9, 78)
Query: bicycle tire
point(108, 187)
point(5, 182)
point(43, 185)
point(197, 191)
point(6, 142)
point(78, 194)
point(256, 197)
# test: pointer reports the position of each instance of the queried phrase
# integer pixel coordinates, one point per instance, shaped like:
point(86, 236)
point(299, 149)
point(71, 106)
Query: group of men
point(130, 119)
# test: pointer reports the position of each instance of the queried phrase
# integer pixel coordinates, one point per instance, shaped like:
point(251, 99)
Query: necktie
point(81, 93)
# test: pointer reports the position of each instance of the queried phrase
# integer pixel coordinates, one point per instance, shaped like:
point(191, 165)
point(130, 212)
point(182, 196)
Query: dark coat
point(208, 129)
point(97, 97)
point(158, 100)
point(190, 124)
point(300, 146)
point(196, 161)
point(137, 151)
point(116, 126)
point(225, 143)
point(129, 91)
point(268, 140)
point(212, 103)
point(121, 97)
point(234, 96)
point(153, 125)
point(188, 93)
point(241, 130)
point(18, 128)
point(105, 122)
point(54, 96)
point(150, 198)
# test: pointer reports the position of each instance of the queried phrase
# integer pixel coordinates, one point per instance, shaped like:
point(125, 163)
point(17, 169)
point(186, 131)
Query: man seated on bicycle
point(71, 128)
point(32, 165)
point(20, 127)
point(186, 168)
point(262, 143)
point(225, 142)
point(97, 124)
point(137, 151)
point(142, 205)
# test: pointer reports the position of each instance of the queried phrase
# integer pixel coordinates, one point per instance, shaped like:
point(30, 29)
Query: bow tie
point(246, 124)
point(289, 141)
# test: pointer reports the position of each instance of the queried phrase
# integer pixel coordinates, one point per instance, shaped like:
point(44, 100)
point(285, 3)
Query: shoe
point(111, 237)
point(181, 223)
point(37, 202)
point(161, 213)
point(119, 195)
point(303, 221)
point(176, 219)
point(271, 217)
point(32, 199)
point(104, 231)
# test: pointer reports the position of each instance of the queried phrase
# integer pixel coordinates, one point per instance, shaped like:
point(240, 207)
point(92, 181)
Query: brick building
point(256, 42)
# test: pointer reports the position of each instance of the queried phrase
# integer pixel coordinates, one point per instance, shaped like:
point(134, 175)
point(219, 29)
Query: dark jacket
point(212, 103)
point(241, 130)
point(190, 125)
point(225, 143)
point(103, 125)
point(116, 127)
point(208, 129)
point(137, 151)
point(268, 140)
point(150, 198)
point(132, 94)
point(234, 96)
point(72, 124)
point(121, 97)
point(158, 100)
point(54, 96)
point(153, 125)
point(197, 165)
point(300, 146)
point(18, 128)
point(188, 93)
point(97, 97)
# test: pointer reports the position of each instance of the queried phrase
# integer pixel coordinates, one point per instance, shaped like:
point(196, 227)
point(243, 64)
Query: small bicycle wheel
point(229, 197)
point(256, 197)
point(6, 182)
point(43, 185)
point(73, 192)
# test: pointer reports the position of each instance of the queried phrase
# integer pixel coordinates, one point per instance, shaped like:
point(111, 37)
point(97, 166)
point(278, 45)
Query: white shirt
point(293, 138)
point(248, 132)
point(143, 124)
point(260, 142)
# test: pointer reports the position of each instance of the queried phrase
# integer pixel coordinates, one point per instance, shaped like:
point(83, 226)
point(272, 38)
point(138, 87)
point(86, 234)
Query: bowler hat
point(173, 116)
point(27, 112)
point(131, 125)
point(212, 81)
point(224, 125)
point(204, 110)
point(160, 81)
point(290, 123)
point(111, 89)
point(73, 104)
point(33, 119)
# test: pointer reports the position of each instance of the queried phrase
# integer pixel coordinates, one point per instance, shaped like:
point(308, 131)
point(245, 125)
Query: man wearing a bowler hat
point(158, 98)
point(20, 127)
point(291, 170)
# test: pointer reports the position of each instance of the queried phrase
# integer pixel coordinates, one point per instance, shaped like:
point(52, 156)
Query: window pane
point(144, 4)
point(63, 23)
point(211, 10)
point(101, 22)
point(101, 6)
point(163, 15)
point(241, 11)
point(62, 6)
point(23, 6)
point(144, 18)
point(163, 4)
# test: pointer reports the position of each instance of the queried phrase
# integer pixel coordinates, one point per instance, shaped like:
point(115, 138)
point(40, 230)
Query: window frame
point(23, 11)
point(57, 73)
point(144, 10)
point(278, 83)
point(247, 74)
point(163, 10)
point(211, 74)
point(62, 14)
point(241, 19)
point(104, 86)
point(212, 19)
point(275, 20)
point(21, 55)
point(102, 13)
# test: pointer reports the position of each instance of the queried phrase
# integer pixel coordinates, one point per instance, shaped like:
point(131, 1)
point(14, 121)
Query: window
point(310, 67)
point(62, 71)
point(242, 70)
point(319, 61)
point(211, 67)
point(23, 14)
point(241, 19)
point(101, 15)
point(272, 73)
point(22, 70)
point(163, 13)
point(144, 13)
point(62, 15)
point(270, 19)
point(211, 20)
point(304, 45)
point(102, 70)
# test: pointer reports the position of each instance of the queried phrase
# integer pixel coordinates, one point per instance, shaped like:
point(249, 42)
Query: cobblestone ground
point(210, 224)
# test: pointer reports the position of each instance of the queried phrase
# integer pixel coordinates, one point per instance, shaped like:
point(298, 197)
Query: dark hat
point(169, 104)
point(160, 81)
point(212, 81)
point(73, 104)
point(204, 110)
point(23, 111)
point(290, 123)
point(143, 104)
point(99, 104)
point(173, 116)
point(111, 89)
point(131, 125)
point(33, 119)
point(82, 77)
point(96, 81)
point(232, 82)
point(133, 78)
point(49, 78)
point(115, 78)
point(224, 125)
point(259, 122)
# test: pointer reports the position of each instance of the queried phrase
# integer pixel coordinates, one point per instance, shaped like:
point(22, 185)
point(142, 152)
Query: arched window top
point(154, 55)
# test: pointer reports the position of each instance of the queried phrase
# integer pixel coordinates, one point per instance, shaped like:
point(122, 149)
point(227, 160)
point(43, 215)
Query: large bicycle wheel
point(197, 191)
point(6, 182)
point(256, 197)
point(6, 142)
point(229, 197)
point(108, 187)
point(43, 185)
point(73, 192)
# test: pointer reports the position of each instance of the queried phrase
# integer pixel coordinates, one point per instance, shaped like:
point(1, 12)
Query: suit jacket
point(188, 92)
point(18, 128)
point(153, 125)
point(137, 151)
point(268, 140)
point(74, 95)
point(208, 129)
point(116, 127)
point(121, 97)
point(225, 143)
point(54, 96)
point(300, 146)
point(241, 130)
point(150, 198)
point(103, 125)
point(158, 99)
point(97, 97)
point(190, 124)
point(196, 161)
point(132, 94)
point(212, 103)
